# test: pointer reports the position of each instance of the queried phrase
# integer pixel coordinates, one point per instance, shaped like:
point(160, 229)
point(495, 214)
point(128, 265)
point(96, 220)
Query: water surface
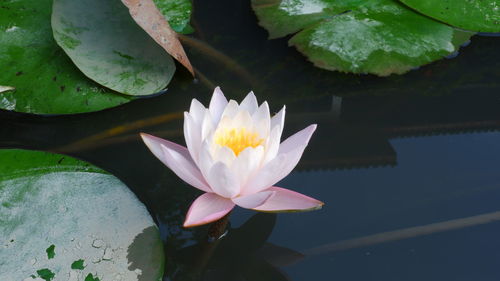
point(390, 154)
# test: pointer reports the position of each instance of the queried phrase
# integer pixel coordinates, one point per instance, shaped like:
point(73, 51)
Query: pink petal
point(253, 200)
point(300, 138)
point(275, 170)
point(217, 105)
point(181, 163)
point(177, 159)
point(192, 135)
point(285, 200)
point(207, 208)
point(249, 103)
point(223, 181)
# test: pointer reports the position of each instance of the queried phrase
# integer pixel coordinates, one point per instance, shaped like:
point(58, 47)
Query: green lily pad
point(177, 13)
point(108, 46)
point(44, 78)
point(93, 221)
point(381, 37)
point(474, 15)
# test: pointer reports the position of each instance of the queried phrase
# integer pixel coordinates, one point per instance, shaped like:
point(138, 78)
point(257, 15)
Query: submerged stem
point(218, 56)
point(218, 229)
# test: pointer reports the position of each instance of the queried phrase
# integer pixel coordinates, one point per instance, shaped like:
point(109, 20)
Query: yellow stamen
point(237, 139)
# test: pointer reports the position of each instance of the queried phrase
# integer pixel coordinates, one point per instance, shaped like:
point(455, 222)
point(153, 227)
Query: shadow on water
point(141, 254)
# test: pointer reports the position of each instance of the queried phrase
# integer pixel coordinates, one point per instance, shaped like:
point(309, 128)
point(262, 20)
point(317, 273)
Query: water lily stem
point(218, 229)
point(218, 56)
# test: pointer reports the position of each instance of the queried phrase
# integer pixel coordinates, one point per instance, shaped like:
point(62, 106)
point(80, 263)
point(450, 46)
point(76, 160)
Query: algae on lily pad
point(474, 15)
point(44, 78)
point(380, 37)
point(93, 221)
point(107, 45)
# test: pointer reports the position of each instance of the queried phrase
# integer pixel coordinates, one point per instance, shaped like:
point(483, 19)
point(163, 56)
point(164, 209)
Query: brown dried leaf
point(146, 15)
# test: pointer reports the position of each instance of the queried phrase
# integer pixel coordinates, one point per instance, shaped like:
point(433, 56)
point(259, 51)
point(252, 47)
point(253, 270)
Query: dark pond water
point(408, 166)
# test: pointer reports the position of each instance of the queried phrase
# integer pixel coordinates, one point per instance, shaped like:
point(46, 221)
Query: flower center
point(238, 139)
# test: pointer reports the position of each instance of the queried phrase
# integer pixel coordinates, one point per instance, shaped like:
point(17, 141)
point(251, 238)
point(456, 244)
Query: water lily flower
point(235, 156)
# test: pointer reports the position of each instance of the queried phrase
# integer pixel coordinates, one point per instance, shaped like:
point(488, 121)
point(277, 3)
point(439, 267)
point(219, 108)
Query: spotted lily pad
point(475, 15)
point(178, 14)
point(44, 78)
point(94, 223)
point(381, 37)
point(109, 47)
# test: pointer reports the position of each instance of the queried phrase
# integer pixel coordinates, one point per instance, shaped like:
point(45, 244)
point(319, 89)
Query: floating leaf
point(474, 15)
point(78, 207)
point(109, 47)
point(147, 16)
point(46, 80)
point(177, 13)
point(374, 36)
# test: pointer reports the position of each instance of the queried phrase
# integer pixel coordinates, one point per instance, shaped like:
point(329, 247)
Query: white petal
point(279, 119)
point(205, 160)
point(231, 109)
point(247, 163)
point(224, 154)
point(192, 135)
point(249, 103)
point(180, 162)
point(223, 181)
point(207, 125)
point(207, 208)
point(253, 200)
point(217, 105)
point(262, 120)
point(197, 111)
point(272, 145)
point(267, 175)
point(279, 167)
point(242, 120)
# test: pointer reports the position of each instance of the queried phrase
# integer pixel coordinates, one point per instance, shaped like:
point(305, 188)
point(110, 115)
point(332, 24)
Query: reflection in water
point(243, 254)
point(405, 233)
